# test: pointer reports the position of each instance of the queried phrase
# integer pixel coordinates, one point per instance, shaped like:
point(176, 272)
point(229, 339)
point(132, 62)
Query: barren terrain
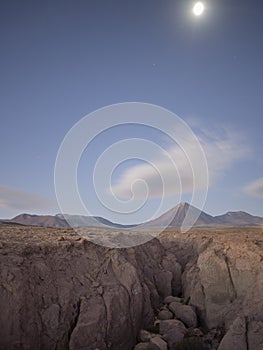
point(59, 291)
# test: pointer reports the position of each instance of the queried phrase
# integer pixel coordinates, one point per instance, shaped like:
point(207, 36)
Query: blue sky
point(61, 60)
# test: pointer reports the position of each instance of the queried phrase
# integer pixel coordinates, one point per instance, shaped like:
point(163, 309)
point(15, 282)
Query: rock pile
point(175, 327)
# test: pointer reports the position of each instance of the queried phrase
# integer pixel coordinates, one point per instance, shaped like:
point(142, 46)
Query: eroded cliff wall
point(59, 291)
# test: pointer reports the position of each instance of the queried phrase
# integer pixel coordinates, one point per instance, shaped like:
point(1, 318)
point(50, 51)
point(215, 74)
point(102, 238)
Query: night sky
point(61, 60)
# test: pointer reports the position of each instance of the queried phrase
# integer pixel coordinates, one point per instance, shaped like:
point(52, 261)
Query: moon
point(198, 8)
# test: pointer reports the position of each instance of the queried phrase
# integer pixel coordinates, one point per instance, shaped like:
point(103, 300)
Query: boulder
point(165, 315)
point(144, 336)
point(235, 338)
point(171, 325)
point(173, 338)
point(172, 331)
point(157, 343)
point(243, 334)
point(184, 313)
point(141, 346)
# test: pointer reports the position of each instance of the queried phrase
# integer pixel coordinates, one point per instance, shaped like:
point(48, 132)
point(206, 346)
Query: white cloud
point(221, 150)
point(255, 188)
point(12, 198)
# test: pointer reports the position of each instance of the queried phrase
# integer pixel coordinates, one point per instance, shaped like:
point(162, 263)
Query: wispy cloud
point(12, 198)
point(255, 188)
point(222, 149)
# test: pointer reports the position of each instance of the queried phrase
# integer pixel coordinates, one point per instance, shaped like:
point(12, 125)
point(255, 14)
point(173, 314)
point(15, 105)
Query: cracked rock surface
point(59, 291)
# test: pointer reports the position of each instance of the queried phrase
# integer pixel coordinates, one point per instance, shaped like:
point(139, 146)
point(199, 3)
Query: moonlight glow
point(198, 8)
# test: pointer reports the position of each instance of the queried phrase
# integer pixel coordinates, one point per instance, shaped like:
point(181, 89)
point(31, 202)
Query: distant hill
point(59, 220)
point(39, 220)
point(8, 222)
point(239, 218)
point(90, 221)
point(177, 216)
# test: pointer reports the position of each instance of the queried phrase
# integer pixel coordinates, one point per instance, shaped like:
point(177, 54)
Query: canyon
point(60, 291)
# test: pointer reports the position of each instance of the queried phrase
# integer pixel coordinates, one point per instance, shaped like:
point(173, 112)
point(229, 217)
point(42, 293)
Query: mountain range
point(61, 220)
point(176, 216)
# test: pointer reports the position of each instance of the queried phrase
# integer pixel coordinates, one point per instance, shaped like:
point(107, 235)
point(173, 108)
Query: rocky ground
point(200, 290)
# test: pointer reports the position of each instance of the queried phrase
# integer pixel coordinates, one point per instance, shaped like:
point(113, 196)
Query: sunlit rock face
point(59, 291)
